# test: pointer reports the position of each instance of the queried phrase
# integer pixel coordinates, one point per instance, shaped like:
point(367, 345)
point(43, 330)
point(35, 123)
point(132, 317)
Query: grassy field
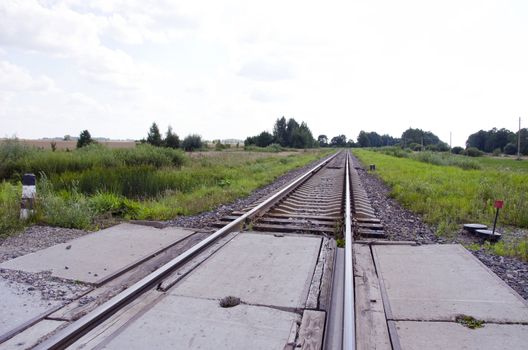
point(96, 185)
point(447, 196)
point(70, 145)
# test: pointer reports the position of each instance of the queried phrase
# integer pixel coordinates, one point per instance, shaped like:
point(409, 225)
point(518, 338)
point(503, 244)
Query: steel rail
point(75, 330)
point(349, 328)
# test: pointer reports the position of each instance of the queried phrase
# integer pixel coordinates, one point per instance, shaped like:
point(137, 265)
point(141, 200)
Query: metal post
point(29, 193)
point(495, 222)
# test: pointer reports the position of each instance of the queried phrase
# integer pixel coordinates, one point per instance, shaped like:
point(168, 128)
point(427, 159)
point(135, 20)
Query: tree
point(84, 139)
point(323, 140)
point(420, 137)
point(291, 126)
point(363, 139)
point(264, 139)
point(154, 136)
point(280, 132)
point(171, 139)
point(488, 141)
point(338, 141)
point(192, 142)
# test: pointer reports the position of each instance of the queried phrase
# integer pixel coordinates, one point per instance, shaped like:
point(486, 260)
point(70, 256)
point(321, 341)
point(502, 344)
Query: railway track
point(326, 202)
point(275, 276)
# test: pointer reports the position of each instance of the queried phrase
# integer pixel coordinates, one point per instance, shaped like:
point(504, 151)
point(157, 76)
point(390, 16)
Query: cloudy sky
point(228, 69)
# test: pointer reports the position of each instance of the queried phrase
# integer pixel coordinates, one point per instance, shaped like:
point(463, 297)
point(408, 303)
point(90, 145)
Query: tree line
point(498, 141)
point(190, 142)
point(286, 133)
point(415, 139)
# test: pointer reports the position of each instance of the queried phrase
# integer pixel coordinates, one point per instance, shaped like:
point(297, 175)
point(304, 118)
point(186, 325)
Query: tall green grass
point(9, 208)
point(447, 196)
point(17, 159)
point(436, 158)
point(144, 183)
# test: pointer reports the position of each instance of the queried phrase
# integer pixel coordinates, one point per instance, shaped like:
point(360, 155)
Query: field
point(71, 145)
point(449, 195)
point(97, 185)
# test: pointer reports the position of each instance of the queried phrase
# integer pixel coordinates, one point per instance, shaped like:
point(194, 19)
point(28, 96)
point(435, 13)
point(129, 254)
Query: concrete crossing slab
point(258, 268)
point(449, 335)
point(191, 323)
point(271, 275)
point(439, 282)
point(19, 306)
point(98, 256)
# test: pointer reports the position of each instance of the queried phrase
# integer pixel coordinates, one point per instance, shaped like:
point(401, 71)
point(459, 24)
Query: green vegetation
point(498, 141)
point(285, 133)
point(447, 196)
point(94, 184)
point(469, 321)
point(436, 158)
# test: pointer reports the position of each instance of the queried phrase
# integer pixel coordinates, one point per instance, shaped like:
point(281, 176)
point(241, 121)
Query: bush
point(510, 149)
point(192, 143)
point(415, 146)
point(473, 152)
point(70, 210)
point(457, 150)
point(497, 152)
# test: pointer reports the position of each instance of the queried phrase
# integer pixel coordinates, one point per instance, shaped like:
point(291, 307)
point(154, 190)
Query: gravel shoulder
point(43, 284)
point(402, 224)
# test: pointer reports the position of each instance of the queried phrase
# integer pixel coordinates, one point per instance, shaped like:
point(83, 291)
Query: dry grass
point(71, 145)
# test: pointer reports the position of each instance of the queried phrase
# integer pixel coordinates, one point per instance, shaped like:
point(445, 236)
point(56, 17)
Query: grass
point(436, 158)
point(447, 196)
point(84, 188)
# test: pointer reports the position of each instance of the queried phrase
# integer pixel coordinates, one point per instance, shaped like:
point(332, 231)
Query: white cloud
point(14, 78)
point(266, 71)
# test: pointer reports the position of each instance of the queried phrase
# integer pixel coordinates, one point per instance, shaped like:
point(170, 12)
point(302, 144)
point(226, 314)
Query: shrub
point(457, 150)
point(70, 210)
point(496, 152)
point(510, 149)
point(473, 152)
point(192, 143)
point(84, 139)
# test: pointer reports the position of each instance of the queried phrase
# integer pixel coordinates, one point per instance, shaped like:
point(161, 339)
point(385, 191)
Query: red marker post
point(499, 204)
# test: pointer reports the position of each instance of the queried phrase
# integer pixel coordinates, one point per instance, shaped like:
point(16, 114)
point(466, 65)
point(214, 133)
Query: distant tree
point(510, 149)
point(524, 141)
point(420, 137)
point(192, 142)
point(338, 141)
point(280, 132)
point(171, 139)
point(457, 150)
point(388, 140)
point(302, 137)
point(250, 140)
point(291, 126)
point(84, 139)
point(67, 138)
point(488, 141)
point(363, 139)
point(323, 140)
point(154, 136)
point(264, 139)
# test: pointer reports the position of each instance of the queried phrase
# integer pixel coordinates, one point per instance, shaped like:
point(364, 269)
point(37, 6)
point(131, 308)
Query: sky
point(229, 69)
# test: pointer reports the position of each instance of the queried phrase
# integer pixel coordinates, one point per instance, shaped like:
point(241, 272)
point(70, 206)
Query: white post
point(29, 193)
